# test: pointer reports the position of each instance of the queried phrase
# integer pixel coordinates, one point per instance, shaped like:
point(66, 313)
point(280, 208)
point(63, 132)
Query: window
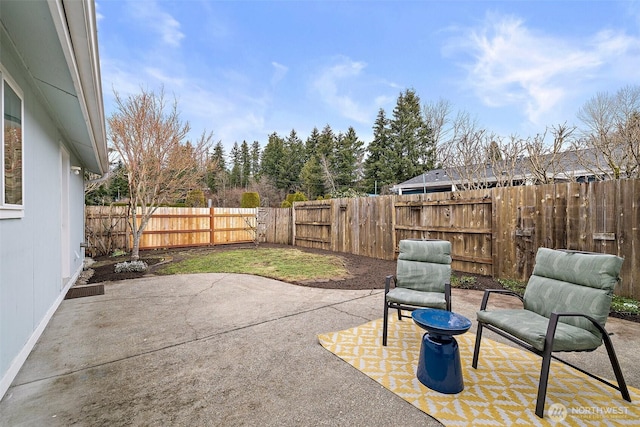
point(11, 202)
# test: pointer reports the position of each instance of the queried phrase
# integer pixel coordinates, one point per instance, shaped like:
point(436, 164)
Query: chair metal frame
point(398, 306)
point(547, 352)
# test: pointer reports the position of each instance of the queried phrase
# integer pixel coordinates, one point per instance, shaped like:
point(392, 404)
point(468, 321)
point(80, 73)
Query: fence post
point(293, 224)
point(212, 234)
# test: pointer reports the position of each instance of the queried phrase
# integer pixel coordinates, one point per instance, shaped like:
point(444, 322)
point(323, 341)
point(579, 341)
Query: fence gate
point(312, 225)
point(466, 223)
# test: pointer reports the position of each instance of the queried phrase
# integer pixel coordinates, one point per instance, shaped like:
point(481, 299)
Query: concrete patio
point(214, 349)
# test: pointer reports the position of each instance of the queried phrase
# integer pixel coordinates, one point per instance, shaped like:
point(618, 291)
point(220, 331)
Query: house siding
point(31, 283)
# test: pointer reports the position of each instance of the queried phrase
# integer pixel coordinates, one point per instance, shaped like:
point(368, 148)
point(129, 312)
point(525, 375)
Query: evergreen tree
point(294, 151)
point(245, 164)
point(326, 144)
point(273, 161)
point(118, 183)
point(255, 161)
point(311, 178)
point(217, 174)
point(413, 143)
point(311, 145)
point(235, 179)
point(378, 166)
point(347, 159)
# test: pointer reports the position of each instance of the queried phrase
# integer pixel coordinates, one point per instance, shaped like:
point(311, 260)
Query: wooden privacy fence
point(107, 228)
point(493, 232)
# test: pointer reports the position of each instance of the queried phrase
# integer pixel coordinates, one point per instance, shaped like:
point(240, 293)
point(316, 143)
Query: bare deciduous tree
point(548, 163)
point(148, 135)
point(505, 158)
point(436, 116)
point(612, 134)
point(465, 152)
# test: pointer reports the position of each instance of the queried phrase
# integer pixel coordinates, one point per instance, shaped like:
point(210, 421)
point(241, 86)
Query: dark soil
point(365, 272)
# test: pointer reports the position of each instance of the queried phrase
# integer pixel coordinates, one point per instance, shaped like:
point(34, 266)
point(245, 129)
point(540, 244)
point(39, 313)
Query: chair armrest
point(554, 317)
point(387, 283)
point(487, 292)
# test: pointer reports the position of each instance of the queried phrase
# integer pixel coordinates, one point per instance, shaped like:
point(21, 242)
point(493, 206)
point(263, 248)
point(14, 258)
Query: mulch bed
point(365, 272)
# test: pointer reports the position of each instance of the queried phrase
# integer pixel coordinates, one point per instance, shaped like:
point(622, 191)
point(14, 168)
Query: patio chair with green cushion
point(422, 279)
point(566, 305)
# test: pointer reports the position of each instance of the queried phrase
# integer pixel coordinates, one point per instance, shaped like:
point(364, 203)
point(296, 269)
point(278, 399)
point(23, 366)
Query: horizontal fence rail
point(107, 228)
point(493, 232)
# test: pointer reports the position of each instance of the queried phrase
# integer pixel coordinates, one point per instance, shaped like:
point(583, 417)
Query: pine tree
point(311, 178)
point(235, 179)
point(217, 174)
point(294, 151)
point(347, 159)
point(255, 161)
point(245, 164)
point(413, 143)
point(311, 145)
point(378, 166)
point(273, 159)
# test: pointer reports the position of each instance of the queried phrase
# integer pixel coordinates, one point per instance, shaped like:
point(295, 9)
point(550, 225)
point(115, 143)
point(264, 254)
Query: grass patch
point(289, 265)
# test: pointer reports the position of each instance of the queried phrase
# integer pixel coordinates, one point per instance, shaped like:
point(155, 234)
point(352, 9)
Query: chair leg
point(385, 321)
point(546, 364)
point(542, 385)
point(616, 367)
point(399, 314)
point(476, 348)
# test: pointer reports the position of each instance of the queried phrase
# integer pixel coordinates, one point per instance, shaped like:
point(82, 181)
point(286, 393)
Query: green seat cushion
point(531, 328)
point(417, 298)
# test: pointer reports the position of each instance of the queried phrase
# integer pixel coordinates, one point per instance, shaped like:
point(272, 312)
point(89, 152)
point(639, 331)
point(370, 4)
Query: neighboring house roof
point(568, 165)
point(58, 44)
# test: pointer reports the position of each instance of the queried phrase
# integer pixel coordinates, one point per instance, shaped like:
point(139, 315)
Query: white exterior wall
point(31, 282)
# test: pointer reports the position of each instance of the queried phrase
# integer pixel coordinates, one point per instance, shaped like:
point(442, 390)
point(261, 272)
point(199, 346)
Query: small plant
point(464, 282)
point(118, 252)
point(513, 285)
point(131, 266)
point(625, 305)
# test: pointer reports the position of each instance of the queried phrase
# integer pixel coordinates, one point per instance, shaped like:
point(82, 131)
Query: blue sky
point(246, 69)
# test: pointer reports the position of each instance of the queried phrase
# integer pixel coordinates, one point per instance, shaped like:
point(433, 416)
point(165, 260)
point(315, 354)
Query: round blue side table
point(439, 365)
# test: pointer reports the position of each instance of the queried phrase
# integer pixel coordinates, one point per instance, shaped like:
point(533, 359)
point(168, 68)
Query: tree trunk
point(135, 250)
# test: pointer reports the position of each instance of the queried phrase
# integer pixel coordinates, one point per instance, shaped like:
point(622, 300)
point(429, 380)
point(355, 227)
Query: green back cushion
point(424, 265)
point(573, 282)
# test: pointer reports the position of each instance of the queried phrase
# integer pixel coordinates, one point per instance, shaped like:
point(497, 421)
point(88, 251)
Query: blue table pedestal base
point(439, 365)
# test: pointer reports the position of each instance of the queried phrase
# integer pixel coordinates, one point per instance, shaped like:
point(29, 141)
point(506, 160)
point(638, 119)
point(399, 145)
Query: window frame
point(9, 210)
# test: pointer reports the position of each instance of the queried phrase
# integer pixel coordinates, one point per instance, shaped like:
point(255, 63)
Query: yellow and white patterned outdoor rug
point(501, 392)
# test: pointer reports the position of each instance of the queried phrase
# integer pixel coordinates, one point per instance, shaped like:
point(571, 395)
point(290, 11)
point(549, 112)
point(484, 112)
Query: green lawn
point(289, 265)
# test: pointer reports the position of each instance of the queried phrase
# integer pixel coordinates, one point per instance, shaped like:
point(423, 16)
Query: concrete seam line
point(204, 338)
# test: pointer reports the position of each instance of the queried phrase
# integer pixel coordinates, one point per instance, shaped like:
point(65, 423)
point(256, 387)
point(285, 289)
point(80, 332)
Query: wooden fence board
point(493, 232)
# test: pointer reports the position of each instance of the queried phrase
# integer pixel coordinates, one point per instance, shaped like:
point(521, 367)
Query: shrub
point(250, 200)
point(131, 266)
point(195, 199)
point(298, 196)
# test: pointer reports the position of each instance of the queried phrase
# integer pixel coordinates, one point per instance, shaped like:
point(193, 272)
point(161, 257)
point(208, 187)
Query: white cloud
point(279, 71)
point(150, 15)
point(514, 65)
point(330, 83)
